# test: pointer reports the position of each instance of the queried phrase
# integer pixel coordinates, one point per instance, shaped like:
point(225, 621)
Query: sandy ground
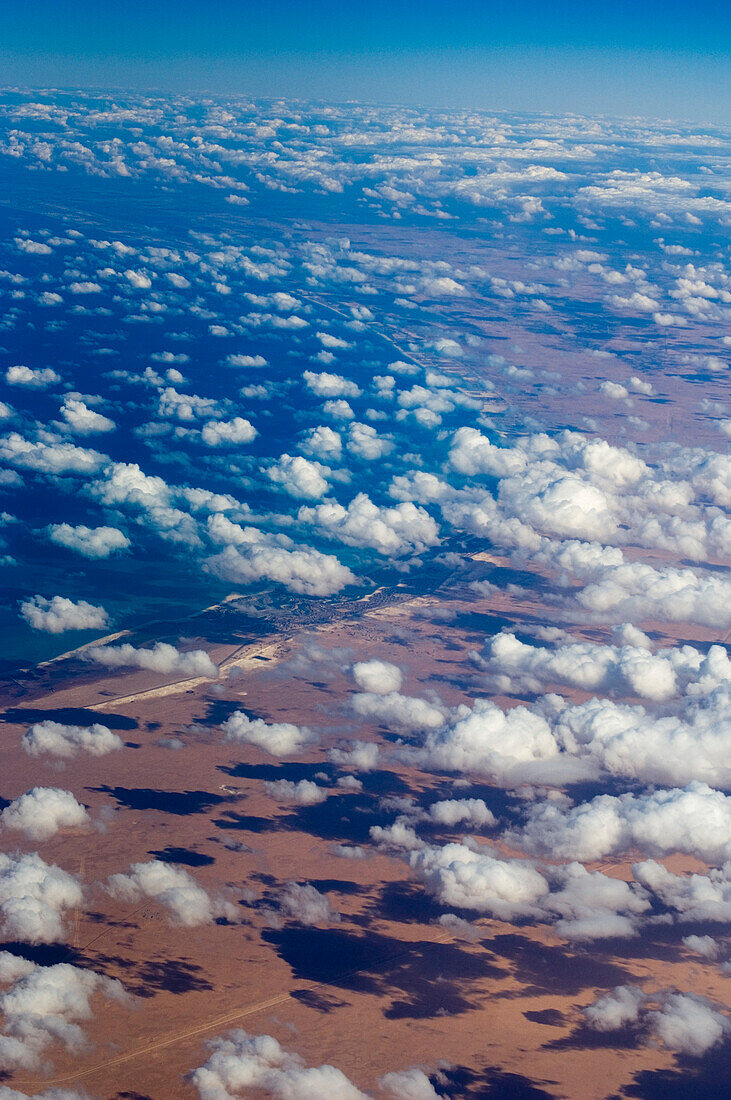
point(382, 989)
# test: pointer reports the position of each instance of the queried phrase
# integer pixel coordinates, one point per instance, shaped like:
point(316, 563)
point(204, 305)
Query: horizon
point(481, 56)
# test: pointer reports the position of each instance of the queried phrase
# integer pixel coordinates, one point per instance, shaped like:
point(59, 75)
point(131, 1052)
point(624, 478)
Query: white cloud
point(329, 341)
point(453, 811)
point(63, 741)
point(83, 420)
point(86, 286)
point(377, 677)
point(466, 879)
point(299, 477)
point(91, 542)
point(305, 905)
point(581, 905)
point(33, 898)
point(615, 670)
point(488, 741)
point(408, 1084)
point(162, 657)
point(172, 887)
point(365, 442)
point(389, 530)
point(614, 390)
point(557, 742)
point(45, 1004)
point(695, 820)
point(330, 385)
point(242, 1061)
point(302, 793)
point(683, 1022)
point(186, 406)
point(246, 361)
point(37, 379)
point(303, 570)
point(401, 712)
point(277, 738)
point(338, 409)
point(42, 812)
point(50, 458)
point(217, 433)
point(324, 443)
point(138, 279)
point(37, 248)
point(362, 756)
point(692, 897)
point(59, 614)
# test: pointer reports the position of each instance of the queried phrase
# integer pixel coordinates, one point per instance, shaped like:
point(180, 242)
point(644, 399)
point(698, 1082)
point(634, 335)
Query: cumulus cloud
point(400, 836)
point(463, 878)
point(408, 1084)
point(302, 903)
point(692, 897)
point(38, 248)
point(394, 530)
point(138, 279)
point(32, 379)
point(85, 286)
point(218, 433)
point(400, 712)
point(303, 570)
point(365, 442)
point(172, 887)
point(33, 898)
point(581, 905)
point(302, 793)
point(696, 820)
point(277, 738)
point(299, 476)
point(60, 614)
point(377, 677)
point(246, 361)
point(330, 385)
point(488, 741)
point(45, 1004)
point(556, 741)
point(81, 419)
point(241, 1061)
point(162, 657)
point(57, 739)
point(683, 1022)
point(615, 670)
point(703, 945)
point(329, 341)
point(361, 756)
point(51, 458)
point(454, 811)
point(638, 591)
point(42, 812)
point(339, 409)
point(186, 406)
point(91, 542)
point(324, 443)
point(588, 491)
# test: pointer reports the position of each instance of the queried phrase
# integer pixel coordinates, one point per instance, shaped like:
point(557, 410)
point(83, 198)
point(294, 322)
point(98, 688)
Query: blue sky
point(665, 58)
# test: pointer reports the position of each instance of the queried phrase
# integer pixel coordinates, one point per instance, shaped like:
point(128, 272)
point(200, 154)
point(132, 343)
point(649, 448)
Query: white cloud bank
point(59, 614)
point(33, 898)
point(43, 811)
point(162, 657)
point(172, 887)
